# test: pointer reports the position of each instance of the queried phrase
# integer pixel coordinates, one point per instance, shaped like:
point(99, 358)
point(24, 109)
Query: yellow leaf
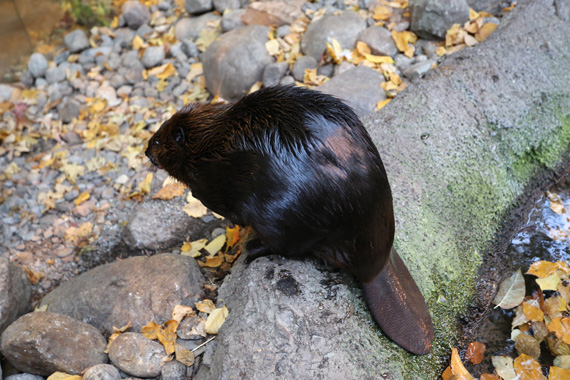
point(472, 14)
point(504, 367)
point(63, 376)
point(549, 283)
point(510, 7)
point(379, 58)
point(81, 198)
point(402, 39)
point(273, 47)
point(184, 355)
point(232, 236)
point(485, 31)
point(79, 234)
point(561, 327)
point(150, 330)
point(161, 85)
point(457, 367)
point(194, 207)
point(206, 306)
point(186, 246)
point(533, 313)
point(528, 368)
point(163, 72)
point(557, 373)
point(211, 262)
point(194, 248)
point(115, 23)
point(144, 186)
point(542, 268)
point(410, 51)
point(215, 245)
point(196, 69)
point(381, 13)
point(72, 171)
point(216, 319)
point(166, 335)
point(207, 36)
point(170, 191)
point(335, 51)
point(138, 43)
point(362, 48)
point(382, 103)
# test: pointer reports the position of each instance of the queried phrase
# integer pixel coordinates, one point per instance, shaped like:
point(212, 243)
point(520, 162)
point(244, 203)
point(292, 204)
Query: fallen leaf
point(402, 39)
point(504, 367)
point(184, 355)
point(194, 207)
point(170, 191)
point(510, 7)
point(528, 345)
point(166, 335)
point(196, 69)
point(63, 376)
point(72, 171)
point(81, 198)
point(488, 376)
point(216, 319)
point(335, 51)
point(542, 269)
point(379, 58)
point(511, 291)
point(206, 306)
point(150, 330)
point(211, 262)
point(561, 327)
point(447, 373)
point(181, 311)
point(554, 306)
point(485, 31)
point(76, 235)
point(144, 186)
point(382, 103)
point(195, 247)
point(528, 368)
point(557, 373)
point(458, 368)
point(549, 283)
point(273, 47)
point(533, 313)
point(215, 245)
point(475, 352)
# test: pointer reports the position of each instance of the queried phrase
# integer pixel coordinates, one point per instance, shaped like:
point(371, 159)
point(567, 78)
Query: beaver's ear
point(178, 136)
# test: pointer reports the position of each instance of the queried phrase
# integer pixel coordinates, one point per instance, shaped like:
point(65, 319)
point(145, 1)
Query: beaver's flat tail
point(399, 308)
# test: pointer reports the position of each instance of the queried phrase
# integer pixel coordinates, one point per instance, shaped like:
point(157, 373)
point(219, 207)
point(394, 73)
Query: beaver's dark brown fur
point(299, 167)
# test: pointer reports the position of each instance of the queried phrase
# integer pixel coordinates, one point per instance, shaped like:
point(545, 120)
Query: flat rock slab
point(42, 343)
point(137, 355)
point(15, 292)
point(138, 289)
point(460, 149)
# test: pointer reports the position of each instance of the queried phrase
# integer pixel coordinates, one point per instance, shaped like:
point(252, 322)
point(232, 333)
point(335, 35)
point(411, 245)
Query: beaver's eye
point(156, 142)
point(178, 136)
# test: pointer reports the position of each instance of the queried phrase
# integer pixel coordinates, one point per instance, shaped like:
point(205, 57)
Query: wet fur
point(296, 165)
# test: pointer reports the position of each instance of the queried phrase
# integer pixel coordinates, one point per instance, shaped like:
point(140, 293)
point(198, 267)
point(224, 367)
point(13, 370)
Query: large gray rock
point(460, 150)
point(135, 14)
point(43, 343)
point(5, 92)
point(432, 18)
point(273, 73)
point(491, 6)
point(38, 65)
point(102, 372)
point(157, 224)
point(379, 40)
point(222, 5)
point(153, 56)
point(15, 292)
point(359, 87)
point(344, 28)
point(232, 20)
point(136, 355)
point(189, 28)
point(235, 61)
point(301, 64)
point(76, 41)
point(137, 289)
point(198, 6)
point(274, 12)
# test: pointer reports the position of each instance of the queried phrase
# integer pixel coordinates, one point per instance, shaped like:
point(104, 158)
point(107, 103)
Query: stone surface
point(379, 40)
point(359, 87)
point(189, 28)
point(302, 63)
point(232, 20)
point(137, 289)
point(76, 41)
point(153, 56)
point(102, 372)
point(173, 370)
point(235, 61)
point(491, 6)
point(68, 111)
point(24, 376)
point(431, 19)
point(159, 225)
point(15, 291)
point(55, 74)
point(135, 14)
point(136, 355)
point(43, 343)
point(273, 73)
point(271, 13)
point(417, 70)
point(345, 28)
point(222, 5)
point(38, 64)
point(198, 6)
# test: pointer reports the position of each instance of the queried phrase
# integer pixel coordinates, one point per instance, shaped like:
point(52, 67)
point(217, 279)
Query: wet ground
point(25, 25)
point(543, 234)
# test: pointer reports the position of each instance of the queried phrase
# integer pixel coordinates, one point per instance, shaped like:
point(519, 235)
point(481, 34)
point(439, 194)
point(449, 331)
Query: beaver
point(300, 168)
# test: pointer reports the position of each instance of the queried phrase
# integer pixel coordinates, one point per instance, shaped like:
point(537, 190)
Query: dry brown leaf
point(170, 191)
point(166, 335)
point(216, 319)
point(488, 376)
point(150, 330)
point(184, 355)
point(528, 345)
point(206, 306)
point(457, 367)
point(232, 235)
point(511, 291)
point(181, 311)
point(528, 368)
point(447, 373)
point(63, 376)
point(475, 352)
